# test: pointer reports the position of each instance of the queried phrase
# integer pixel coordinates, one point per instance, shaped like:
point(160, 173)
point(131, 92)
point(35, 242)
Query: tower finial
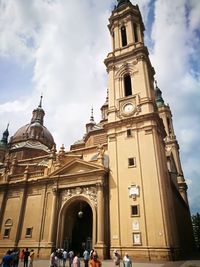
point(4, 139)
point(40, 104)
point(92, 115)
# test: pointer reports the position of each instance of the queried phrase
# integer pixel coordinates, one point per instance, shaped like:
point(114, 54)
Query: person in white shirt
point(64, 257)
point(127, 260)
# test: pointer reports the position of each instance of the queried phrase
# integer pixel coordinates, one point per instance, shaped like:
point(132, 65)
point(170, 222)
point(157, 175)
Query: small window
point(134, 210)
point(135, 32)
point(129, 133)
point(123, 35)
point(169, 126)
point(6, 233)
point(131, 162)
point(127, 85)
point(29, 232)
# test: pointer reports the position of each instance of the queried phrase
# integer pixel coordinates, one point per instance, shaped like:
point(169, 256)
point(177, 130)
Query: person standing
point(71, 256)
point(64, 257)
point(32, 255)
point(116, 257)
point(76, 261)
point(7, 260)
point(94, 261)
point(86, 257)
point(127, 260)
point(15, 256)
point(22, 255)
point(52, 258)
point(26, 257)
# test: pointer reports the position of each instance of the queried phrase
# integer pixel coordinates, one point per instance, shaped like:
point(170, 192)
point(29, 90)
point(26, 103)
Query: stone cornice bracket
point(99, 186)
point(55, 187)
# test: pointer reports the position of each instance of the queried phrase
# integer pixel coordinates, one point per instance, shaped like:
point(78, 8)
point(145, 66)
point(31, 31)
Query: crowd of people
point(59, 258)
point(127, 262)
point(12, 258)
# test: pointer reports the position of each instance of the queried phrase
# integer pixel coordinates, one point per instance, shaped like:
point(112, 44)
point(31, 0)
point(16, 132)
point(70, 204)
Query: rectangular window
point(123, 36)
point(131, 162)
point(135, 32)
point(127, 85)
point(6, 233)
point(135, 210)
point(29, 232)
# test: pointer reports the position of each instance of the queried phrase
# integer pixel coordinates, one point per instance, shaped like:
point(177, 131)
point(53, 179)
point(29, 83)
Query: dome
point(30, 132)
point(35, 130)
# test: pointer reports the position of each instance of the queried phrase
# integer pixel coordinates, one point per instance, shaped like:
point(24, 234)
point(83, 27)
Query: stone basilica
point(120, 187)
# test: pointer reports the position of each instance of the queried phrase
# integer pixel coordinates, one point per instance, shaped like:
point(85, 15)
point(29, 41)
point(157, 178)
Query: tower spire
point(40, 103)
point(38, 113)
point(4, 139)
point(92, 115)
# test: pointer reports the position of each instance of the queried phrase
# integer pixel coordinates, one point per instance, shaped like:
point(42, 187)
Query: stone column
point(100, 246)
point(23, 197)
point(53, 217)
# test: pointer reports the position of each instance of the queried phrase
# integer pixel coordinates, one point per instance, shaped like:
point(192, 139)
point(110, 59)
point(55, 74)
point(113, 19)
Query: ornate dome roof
point(35, 130)
point(27, 132)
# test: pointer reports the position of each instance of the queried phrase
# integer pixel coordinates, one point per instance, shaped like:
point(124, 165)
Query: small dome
point(30, 131)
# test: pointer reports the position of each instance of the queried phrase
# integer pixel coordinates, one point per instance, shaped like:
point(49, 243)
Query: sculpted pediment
point(77, 166)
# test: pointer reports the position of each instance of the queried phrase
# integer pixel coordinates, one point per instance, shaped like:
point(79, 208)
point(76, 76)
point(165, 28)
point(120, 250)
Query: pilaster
point(100, 246)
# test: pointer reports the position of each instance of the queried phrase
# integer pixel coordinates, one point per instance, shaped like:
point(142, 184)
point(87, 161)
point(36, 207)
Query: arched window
point(123, 35)
point(127, 85)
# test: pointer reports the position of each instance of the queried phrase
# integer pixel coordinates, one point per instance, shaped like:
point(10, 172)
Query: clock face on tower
point(128, 108)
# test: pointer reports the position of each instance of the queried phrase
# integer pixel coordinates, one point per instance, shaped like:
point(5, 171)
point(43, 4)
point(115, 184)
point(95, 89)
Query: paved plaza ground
point(109, 263)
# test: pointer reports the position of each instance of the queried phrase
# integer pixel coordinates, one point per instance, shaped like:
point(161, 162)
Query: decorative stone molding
point(88, 192)
point(13, 194)
point(34, 191)
point(125, 68)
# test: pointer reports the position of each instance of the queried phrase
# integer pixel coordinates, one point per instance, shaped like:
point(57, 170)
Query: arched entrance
point(77, 226)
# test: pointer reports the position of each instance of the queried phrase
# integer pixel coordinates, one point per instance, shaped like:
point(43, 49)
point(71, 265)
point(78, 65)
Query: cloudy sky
point(57, 48)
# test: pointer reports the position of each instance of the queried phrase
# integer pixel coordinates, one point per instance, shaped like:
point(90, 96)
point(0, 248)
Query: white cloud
point(175, 58)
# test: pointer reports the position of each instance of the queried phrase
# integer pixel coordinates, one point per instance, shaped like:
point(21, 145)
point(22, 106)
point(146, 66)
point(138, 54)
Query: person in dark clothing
point(7, 260)
point(15, 255)
point(26, 255)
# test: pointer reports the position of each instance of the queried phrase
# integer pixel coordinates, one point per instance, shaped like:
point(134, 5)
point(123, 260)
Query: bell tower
point(129, 69)
point(141, 194)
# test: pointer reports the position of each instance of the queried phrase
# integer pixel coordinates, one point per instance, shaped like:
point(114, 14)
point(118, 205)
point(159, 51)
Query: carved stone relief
point(88, 192)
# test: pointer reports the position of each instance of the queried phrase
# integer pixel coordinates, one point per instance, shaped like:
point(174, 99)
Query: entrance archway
point(77, 230)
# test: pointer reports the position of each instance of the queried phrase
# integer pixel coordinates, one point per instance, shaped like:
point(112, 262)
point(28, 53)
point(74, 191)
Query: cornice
point(121, 13)
point(141, 118)
point(137, 54)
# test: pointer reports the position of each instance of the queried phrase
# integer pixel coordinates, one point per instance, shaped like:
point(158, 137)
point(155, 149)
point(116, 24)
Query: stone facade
point(120, 187)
